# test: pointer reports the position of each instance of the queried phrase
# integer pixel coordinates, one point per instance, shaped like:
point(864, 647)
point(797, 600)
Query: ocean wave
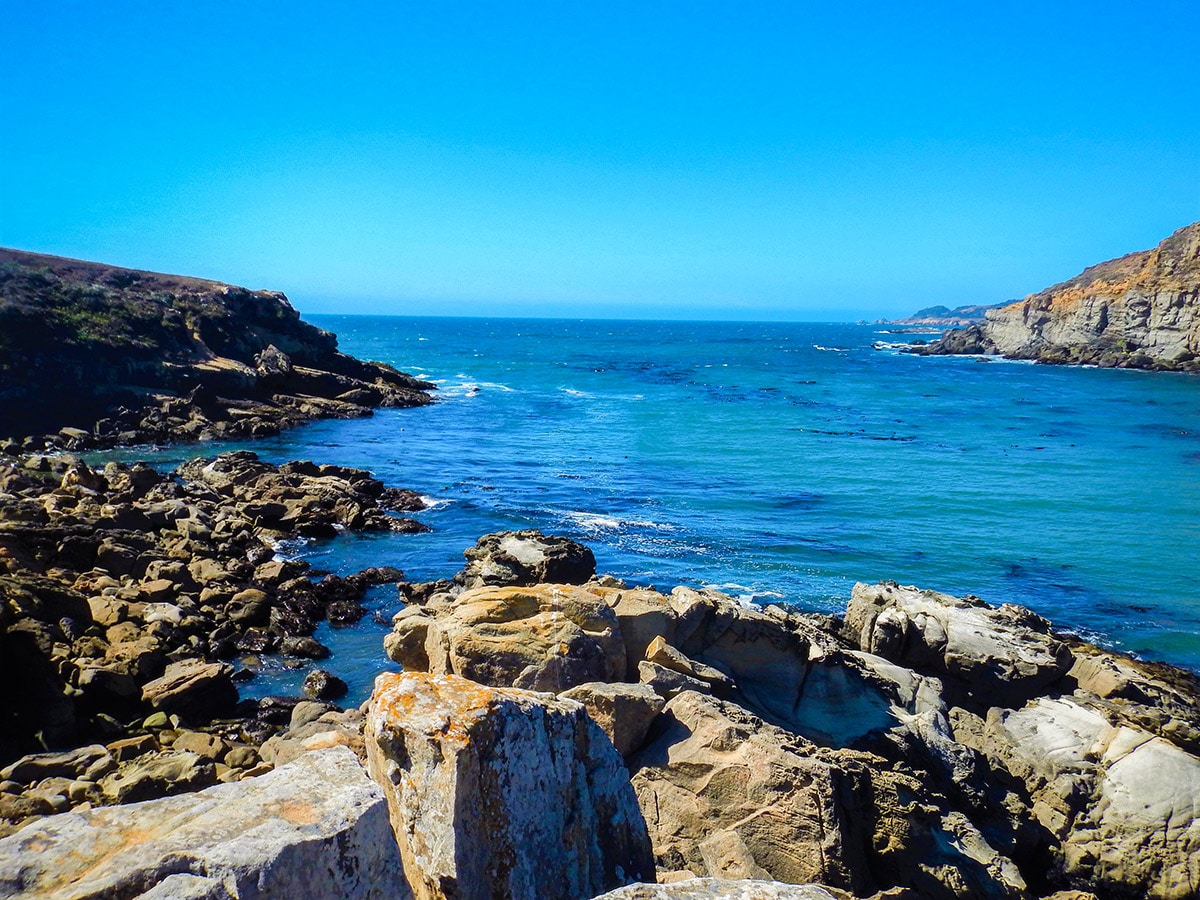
point(571, 392)
point(468, 387)
point(602, 522)
point(434, 502)
point(747, 596)
point(831, 349)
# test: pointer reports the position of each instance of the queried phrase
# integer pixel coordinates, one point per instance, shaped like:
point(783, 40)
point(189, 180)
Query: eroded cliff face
point(1141, 310)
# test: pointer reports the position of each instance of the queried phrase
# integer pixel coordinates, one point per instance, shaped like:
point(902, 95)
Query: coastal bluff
point(1139, 311)
point(93, 355)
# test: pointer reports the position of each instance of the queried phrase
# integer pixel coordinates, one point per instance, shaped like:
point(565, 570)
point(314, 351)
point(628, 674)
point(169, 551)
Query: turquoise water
point(782, 463)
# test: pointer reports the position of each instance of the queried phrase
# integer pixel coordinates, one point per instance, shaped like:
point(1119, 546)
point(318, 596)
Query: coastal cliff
point(120, 356)
point(1139, 311)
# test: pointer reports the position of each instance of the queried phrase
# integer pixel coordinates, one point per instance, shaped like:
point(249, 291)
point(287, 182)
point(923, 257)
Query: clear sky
point(658, 159)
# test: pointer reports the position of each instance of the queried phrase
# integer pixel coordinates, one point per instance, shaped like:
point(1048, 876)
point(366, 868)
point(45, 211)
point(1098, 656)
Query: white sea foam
point(435, 502)
point(574, 393)
point(468, 387)
point(831, 349)
point(599, 521)
point(287, 549)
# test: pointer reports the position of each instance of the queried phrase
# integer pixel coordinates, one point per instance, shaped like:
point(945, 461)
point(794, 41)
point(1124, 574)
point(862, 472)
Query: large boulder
point(1004, 654)
point(548, 637)
point(315, 828)
point(502, 792)
point(193, 689)
point(624, 711)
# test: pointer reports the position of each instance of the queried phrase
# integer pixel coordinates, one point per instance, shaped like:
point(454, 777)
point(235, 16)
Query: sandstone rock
point(669, 683)
point(324, 685)
point(1139, 311)
point(1005, 654)
point(193, 689)
point(158, 775)
point(1124, 803)
point(526, 558)
point(501, 792)
point(68, 764)
point(765, 656)
point(316, 828)
point(546, 637)
point(728, 795)
point(720, 889)
point(624, 711)
point(663, 654)
point(208, 746)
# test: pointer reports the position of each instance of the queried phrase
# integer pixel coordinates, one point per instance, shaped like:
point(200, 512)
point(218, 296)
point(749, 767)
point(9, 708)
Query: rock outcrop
point(1112, 787)
point(926, 745)
point(496, 792)
point(316, 828)
point(1139, 311)
point(98, 356)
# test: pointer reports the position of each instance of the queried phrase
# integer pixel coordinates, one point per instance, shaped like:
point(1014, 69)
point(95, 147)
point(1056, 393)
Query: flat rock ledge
point(315, 828)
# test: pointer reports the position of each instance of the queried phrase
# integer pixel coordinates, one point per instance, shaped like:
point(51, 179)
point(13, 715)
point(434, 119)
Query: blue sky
point(750, 160)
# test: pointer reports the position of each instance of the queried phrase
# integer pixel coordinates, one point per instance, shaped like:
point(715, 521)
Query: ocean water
point(780, 463)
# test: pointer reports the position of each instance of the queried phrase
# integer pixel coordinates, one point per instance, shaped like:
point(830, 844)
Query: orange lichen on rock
point(442, 706)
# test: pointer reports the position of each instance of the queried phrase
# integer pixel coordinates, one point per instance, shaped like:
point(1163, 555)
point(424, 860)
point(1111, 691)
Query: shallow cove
point(780, 463)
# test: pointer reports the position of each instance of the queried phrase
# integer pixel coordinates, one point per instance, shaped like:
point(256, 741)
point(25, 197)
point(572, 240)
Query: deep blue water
point(781, 462)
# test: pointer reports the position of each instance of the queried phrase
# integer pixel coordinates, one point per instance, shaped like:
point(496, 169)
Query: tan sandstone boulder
point(548, 637)
point(316, 828)
point(502, 792)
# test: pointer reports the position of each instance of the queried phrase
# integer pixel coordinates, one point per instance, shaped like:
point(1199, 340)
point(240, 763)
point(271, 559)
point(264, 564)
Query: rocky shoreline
point(1140, 311)
point(554, 731)
point(566, 739)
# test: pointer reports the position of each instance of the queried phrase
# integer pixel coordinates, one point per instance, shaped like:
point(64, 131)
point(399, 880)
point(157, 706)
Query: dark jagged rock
point(98, 356)
point(125, 590)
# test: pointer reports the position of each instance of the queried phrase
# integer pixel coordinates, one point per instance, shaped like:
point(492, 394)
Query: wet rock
point(316, 828)
point(304, 648)
point(324, 685)
point(554, 815)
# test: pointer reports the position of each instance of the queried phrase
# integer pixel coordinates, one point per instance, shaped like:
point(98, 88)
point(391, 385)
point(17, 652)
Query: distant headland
point(1139, 311)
